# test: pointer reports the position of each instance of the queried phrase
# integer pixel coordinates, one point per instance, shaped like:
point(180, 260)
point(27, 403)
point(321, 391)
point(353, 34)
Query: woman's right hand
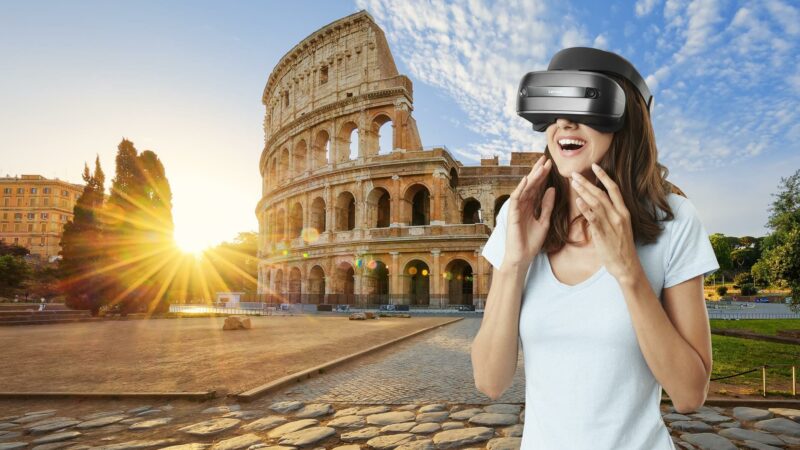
point(525, 234)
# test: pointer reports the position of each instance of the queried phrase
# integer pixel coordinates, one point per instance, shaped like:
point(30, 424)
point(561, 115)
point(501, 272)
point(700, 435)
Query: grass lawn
point(732, 355)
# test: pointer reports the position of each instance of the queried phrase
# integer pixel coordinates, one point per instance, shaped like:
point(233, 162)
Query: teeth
point(563, 142)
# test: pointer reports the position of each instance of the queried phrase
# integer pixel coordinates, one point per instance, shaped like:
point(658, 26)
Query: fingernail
point(595, 167)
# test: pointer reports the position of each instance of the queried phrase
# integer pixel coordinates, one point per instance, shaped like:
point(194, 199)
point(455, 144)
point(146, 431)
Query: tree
point(81, 246)
point(782, 254)
point(13, 272)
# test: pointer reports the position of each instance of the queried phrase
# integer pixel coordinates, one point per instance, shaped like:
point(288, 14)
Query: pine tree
point(81, 246)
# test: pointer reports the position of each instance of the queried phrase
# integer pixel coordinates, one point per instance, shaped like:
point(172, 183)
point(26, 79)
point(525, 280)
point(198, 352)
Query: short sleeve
point(495, 247)
point(690, 252)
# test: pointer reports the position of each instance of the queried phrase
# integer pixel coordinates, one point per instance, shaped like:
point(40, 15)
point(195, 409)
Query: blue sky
point(184, 79)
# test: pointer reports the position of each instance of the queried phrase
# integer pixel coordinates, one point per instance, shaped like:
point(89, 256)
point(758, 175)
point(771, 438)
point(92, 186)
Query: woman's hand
point(525, 233)
point(609, 223)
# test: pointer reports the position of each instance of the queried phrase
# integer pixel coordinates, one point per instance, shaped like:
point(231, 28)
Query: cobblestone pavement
point(382, 401)
point(434, 366)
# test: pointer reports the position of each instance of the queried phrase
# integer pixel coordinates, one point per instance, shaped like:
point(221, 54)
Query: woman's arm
point(675, 339)
point(495, 349)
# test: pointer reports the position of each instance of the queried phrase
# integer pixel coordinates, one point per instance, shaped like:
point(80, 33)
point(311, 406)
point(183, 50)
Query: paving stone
point(512, 431)
point(709, 441)
point(434, 407)
point(791, 440)
point(751, 414)
point(313, 410)
point(138, 409)
point(711, 417)
point(465, 414)
point(245, 415)
point(750, 435)
point(31, 418)
point(307, 436)
point(492, 419)
point(6, 435)
point(57, 437)
point(150, 424)
point(390, 441)
point(265, 423)
point(735, 424)
point(374, 410)
point(12, 445)
point(102, 414)
point(6, 425)
point(504, 443)
point(419, 444)
point(134, 445)
point(149, 412)
point(452, 425)
point(51, 425)
point(353, 421)
point(285, 407)
point(401, 427)
point(755, 445)
point(211, 427)
point(360, 435)
point(101, 422)
point(463, 436)
point(503, 408)
point(43, 411)
point(391, 417)
point(440, 416)
point(409, 407)
point(793, 414)
point(672, 417)
point(193, 446)
point(692, 426)
point(779, 425)
point(428, 427)
point(292, 427)
point(346, 412)
point(238, 442)
point(347, 447)
point(52, 445)
point(221, 409)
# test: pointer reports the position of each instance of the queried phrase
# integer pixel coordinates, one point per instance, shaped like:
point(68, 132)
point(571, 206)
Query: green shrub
point(749, 289)
point(722, 290)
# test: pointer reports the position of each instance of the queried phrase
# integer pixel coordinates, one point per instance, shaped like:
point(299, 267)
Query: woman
point(598, 269)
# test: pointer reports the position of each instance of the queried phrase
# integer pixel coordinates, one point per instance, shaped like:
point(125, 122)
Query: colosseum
point(344, 221)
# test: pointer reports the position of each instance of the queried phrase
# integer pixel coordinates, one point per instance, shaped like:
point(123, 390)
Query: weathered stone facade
point(347, 222)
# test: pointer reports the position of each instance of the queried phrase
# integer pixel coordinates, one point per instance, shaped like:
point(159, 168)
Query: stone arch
point(273, 174)
point(284, 164)
point(378, 208)
point(470, 211)
point(453, 178)
point(458, 278)
point(498, 203)
point(279, 292)
point(320, 149)
point(418, 200)
point(346, 150)
point(296, 221)
point(345, 211)
point(417, 285)
point(344, 281)
point(280, 225)
point(375, 281)
point(300, 156)
point(295, 285)
point(383, 142)
point(316, 215)
point(316, 285)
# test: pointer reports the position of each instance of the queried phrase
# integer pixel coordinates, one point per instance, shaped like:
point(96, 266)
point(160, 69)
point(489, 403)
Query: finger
point(587, 212)
point(595, 196)
point(535, 181)
point(611, 186)
point(548, 201)
point(592, 206)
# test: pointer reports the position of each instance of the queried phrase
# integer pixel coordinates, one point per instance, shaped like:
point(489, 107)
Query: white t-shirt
point(587, 384)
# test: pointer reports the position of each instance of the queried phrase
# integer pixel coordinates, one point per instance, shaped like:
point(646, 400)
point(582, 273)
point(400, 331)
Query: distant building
point(34, 210)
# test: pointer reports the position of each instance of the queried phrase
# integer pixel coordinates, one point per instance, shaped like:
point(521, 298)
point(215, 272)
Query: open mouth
point(571, 145)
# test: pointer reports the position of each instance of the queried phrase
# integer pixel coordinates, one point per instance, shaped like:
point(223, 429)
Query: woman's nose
point(563, 122)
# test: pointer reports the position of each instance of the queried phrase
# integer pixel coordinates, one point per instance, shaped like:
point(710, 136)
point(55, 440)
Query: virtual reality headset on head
point(575, 87)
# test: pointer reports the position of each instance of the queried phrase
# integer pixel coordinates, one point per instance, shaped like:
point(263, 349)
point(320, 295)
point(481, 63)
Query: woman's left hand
point(609, 223)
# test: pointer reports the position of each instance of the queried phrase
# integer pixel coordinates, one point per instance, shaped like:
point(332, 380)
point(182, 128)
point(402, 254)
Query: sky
point(184, 79)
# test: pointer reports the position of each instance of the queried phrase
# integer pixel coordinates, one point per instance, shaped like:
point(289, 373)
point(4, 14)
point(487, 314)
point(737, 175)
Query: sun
point(192, 245)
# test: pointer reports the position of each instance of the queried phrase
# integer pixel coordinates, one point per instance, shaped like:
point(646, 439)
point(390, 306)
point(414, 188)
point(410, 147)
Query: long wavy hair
point(632, 162)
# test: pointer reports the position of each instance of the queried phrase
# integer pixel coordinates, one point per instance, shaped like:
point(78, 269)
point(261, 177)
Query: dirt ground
point(190, 354)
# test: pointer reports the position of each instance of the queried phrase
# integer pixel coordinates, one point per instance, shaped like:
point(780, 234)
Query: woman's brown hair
point(632, 162)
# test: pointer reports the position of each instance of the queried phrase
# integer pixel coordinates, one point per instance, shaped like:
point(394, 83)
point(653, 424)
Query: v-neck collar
point(570, 287)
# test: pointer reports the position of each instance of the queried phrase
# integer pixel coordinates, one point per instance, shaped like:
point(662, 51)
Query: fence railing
point(764, 377)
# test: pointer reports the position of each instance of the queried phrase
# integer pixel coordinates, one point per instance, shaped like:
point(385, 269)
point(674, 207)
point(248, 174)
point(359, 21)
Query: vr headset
point(574, 87)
